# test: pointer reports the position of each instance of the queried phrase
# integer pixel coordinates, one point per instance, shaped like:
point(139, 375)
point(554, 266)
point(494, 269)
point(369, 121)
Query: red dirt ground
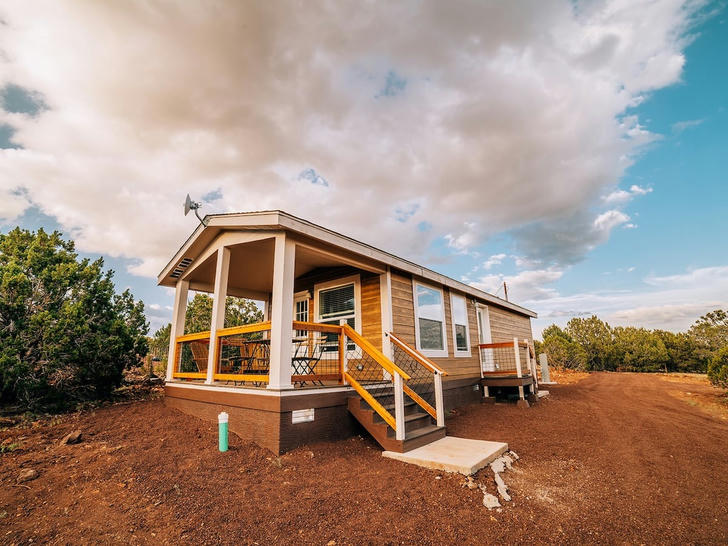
point(611, 459)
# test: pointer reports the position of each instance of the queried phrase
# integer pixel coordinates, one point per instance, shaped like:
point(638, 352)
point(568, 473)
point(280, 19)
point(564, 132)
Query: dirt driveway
point(615, 458)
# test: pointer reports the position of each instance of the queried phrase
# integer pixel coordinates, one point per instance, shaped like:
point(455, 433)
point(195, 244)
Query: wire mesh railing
point(243, 354)
point(425, 377)
point(316, 354)
point(500, 358)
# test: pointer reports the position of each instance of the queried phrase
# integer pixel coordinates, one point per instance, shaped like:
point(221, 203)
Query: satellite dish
point(193, 205)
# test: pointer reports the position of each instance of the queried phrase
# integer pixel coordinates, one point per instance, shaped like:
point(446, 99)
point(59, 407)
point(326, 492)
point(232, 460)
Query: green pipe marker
point(222, 429)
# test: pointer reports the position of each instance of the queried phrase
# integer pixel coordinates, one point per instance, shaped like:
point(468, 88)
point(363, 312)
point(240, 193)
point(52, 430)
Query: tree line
point(591, 344)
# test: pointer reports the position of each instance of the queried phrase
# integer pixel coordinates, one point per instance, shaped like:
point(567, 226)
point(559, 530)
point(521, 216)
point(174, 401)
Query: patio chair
point(199, 355)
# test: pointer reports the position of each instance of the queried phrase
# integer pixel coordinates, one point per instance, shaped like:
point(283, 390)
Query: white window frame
point(297, 298)
point(433, 353)
point(334, 284)
point(468, 351)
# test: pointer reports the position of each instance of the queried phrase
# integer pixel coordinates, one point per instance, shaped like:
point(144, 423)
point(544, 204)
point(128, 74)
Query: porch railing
point(508, 358)
point(320, 352)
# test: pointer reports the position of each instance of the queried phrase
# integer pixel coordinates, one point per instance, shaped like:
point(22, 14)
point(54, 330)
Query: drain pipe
point(222, 429)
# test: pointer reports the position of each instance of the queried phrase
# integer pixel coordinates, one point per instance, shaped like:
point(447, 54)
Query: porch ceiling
point(251, 268)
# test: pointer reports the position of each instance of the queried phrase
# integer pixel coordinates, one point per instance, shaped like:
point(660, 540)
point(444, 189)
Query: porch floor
point(452, 454)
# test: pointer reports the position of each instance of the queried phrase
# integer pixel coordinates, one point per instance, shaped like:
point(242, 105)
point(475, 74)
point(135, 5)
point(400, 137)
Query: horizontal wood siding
point(371, 310)
point(505, 325)
point(403, 315)
point(403, 311)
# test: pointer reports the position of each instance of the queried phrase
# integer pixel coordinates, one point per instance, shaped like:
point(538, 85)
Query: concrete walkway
point(452, 454)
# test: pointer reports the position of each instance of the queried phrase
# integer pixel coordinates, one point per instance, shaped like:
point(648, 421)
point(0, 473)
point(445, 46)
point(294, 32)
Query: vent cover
point(181, 266)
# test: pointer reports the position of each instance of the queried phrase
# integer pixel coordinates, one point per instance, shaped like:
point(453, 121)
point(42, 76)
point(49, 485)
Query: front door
point(487, 360)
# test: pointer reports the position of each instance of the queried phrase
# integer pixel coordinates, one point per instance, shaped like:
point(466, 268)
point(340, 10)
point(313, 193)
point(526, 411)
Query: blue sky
point(575, 151)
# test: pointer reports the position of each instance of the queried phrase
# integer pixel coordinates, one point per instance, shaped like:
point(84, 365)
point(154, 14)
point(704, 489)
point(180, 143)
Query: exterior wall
point(371, 310)
point(267, 420)
point(504, 324)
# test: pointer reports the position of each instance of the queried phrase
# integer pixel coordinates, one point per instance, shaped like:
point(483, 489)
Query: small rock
point(309, 454)
point(331, 543)
point(498, 465)
point(502, 488)
point(438, 477)
point(27, 475)
point(490, 501)
point(72, 437)
point(508, 460)
point(513, 454)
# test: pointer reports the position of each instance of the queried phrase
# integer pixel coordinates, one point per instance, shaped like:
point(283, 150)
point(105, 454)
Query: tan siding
point(371, 310)
point(505, 325)
point(403, 315)
point(403, 311)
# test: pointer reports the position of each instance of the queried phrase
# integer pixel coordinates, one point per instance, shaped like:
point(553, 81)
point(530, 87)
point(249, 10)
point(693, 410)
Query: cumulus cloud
point(565, 241)
point(527, 286)
point(672, 302)
point(495, 259)
point(473, 118)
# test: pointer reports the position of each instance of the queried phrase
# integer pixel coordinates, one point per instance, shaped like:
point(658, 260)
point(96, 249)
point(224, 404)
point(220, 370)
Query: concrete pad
point(541, 394)
point(547, 383)
point(452, 454)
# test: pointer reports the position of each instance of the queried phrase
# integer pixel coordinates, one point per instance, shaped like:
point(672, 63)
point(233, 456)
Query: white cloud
point(620, 197)
point(672, 302)
point(525, 286)
point(565, 241)
point(495, 259)
point(680, 126)
point(488, 116)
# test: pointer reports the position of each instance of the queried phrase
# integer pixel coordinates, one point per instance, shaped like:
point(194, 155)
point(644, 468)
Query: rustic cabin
point(351, 334)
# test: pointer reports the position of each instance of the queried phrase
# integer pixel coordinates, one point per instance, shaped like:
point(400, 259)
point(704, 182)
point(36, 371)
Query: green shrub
point(65, 336)
point(718, 368)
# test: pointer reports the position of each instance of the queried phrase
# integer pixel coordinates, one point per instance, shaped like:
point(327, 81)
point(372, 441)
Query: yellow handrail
point(244, 329)
point(369, 399)
point(375, 353)
point(427, 363)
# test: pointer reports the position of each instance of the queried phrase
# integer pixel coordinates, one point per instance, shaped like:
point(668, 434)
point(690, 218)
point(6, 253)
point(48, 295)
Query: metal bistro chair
point(307, 355)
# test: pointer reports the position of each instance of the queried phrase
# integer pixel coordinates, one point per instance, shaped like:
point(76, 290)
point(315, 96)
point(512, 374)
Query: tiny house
point(351, 335)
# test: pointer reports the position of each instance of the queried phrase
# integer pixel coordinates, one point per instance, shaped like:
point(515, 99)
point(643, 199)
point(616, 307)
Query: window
point(430, 321)
point(337, 302)
point(460, 325)
point(300, 311)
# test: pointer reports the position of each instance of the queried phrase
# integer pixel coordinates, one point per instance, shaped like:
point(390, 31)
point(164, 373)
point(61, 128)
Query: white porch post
point(399, 432)
point(218, 308)
point(385, 297)
point(178, 323)
point(281, 307)
point(439, 402)
point(518, 367)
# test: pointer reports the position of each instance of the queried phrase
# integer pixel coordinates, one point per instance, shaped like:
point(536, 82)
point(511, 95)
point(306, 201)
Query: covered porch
point(308, 291)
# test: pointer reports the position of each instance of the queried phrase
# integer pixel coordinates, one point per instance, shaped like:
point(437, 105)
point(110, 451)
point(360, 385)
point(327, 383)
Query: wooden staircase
point(420, 428)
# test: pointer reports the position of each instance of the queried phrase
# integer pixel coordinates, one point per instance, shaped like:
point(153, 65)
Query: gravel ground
point(613, 458)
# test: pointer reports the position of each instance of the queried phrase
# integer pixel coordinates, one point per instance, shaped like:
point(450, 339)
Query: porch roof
point(277, 220)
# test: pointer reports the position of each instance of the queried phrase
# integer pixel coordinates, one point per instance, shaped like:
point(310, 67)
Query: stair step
point(422, 436)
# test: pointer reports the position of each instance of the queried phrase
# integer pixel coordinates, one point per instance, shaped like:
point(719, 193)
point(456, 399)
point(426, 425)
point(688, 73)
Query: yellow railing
point(242, 353)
